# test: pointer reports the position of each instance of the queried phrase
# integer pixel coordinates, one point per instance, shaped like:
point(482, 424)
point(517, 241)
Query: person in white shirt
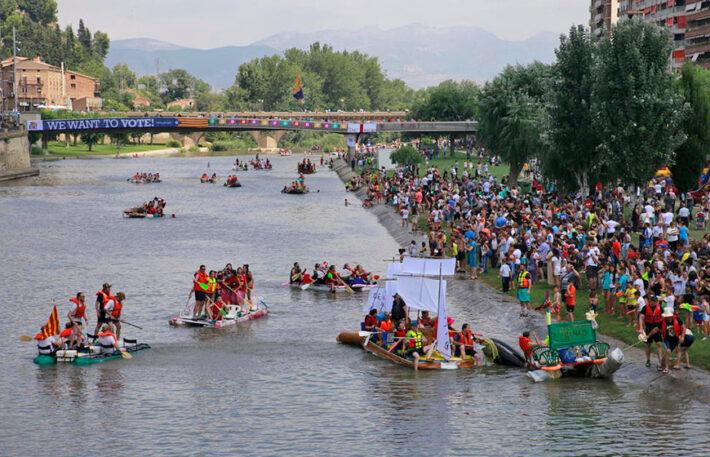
point(505, 272)
point(48, 345)
point(405, 216)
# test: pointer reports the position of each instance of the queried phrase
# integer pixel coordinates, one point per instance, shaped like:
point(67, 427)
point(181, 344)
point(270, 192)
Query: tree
point(694, 84)
point(90, 139)
point(572, 158)
point(512, 114)
point(406, 156)
point(635, 105)
point(84, 36)
point(449, 101)
point(100, 44)
point(41, 11)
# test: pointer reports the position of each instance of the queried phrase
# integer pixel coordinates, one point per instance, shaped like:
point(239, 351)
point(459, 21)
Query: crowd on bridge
point(632, 252)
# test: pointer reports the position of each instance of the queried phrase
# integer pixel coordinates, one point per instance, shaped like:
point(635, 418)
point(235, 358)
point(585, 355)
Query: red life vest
point(116, 308)
point(466, 339)
point(201, 279)
point(652, 317)
point(80, 311)
point(65, 333)
point(676, 327)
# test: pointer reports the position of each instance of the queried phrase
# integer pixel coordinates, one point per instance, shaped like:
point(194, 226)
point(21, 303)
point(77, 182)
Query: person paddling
point(113, 311)
point(108, 340)
point(77, 317)
point(200, 287)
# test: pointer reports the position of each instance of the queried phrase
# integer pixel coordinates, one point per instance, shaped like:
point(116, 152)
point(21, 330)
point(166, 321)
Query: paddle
point(347, 287)
point(132, 325)
point(306, 286)
point(26, 338)
point(126, 355)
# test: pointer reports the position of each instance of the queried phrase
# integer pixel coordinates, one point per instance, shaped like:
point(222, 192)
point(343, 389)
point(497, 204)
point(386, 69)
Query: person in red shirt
point(371, 321)
point(526, 344)
point(571, 300)
point(465, 342)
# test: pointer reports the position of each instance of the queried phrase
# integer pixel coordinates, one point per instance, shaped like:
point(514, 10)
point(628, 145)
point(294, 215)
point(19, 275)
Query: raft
point(234, 316)
point(88, 357)
point(295, 191)
point(137, 215)
point(237, 184)
point(326, 288)
point(436, 363)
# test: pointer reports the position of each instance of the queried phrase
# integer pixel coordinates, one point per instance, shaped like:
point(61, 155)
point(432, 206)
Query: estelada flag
point(52, 326)
point(298, 88)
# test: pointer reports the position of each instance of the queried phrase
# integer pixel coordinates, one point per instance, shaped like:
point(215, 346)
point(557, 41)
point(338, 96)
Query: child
point(570, 300)
point(594, 300)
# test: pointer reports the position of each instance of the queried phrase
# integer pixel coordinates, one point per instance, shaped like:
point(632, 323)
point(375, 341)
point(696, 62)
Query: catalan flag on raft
point(52, 326)
point(298, 89)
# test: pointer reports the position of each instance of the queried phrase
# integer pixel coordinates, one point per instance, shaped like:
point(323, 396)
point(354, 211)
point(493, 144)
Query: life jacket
point(525, 344)
point(330, 277)
point(116, 312)
point(65, 333)
point(652, 317)
point(107, 341)
point(211, 285)
point(466, 339)
point(676, 327)
point(524, 280)
point(386, 326)
point(306, 279)
point(105, 297)
point(44, 344)
point(201, 280)
point(80, 312)
point(415, 340)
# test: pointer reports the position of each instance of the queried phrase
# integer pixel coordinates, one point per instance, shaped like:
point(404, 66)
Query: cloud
point(214, 23)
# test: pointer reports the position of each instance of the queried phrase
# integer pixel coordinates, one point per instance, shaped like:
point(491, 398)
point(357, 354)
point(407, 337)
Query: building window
point(72, 77)
point(73, 86)
point(39, 80)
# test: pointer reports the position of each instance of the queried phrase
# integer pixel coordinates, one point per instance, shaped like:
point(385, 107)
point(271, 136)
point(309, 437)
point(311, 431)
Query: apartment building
point(40, 85)
point(603, 15)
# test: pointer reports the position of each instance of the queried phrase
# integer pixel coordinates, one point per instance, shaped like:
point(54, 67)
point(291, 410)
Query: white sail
point(379, 300)
point(443, 345)
point(421, 293)
point(428, 267)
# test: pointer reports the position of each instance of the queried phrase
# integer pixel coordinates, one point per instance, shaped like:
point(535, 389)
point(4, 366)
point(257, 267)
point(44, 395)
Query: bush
point(406, 156)
point(193, 149)
point(218, 146)
point(36, 151)
point(173, 144)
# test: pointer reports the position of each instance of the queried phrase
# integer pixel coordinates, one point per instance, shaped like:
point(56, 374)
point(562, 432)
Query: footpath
point(497, 314)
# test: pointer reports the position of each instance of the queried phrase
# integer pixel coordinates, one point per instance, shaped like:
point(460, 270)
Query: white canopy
point(428, 267)
point(421, 293)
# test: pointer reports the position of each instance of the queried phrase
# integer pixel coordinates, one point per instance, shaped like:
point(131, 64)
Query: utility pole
point(14, 67)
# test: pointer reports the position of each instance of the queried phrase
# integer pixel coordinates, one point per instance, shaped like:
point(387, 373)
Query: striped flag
point(52, 326)
point(298, 89)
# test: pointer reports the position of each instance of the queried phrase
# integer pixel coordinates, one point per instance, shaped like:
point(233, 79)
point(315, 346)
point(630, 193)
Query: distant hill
point(420, 55)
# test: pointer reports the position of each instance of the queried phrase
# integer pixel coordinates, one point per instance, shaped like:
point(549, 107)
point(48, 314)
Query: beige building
point(40, 84)
point(603, 15)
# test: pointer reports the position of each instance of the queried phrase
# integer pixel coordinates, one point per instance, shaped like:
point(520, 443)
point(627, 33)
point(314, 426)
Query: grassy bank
point(60, 149)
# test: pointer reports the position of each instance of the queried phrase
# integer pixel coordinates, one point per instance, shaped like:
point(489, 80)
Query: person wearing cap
point(673, 334)
point(102, 297)
point(399, 308)
point(113, 310)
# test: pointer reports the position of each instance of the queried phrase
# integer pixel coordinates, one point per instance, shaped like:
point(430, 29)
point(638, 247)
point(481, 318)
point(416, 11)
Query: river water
point(279, 385)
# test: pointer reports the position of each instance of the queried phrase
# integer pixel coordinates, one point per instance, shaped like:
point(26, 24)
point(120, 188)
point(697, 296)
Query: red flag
point(52, 326)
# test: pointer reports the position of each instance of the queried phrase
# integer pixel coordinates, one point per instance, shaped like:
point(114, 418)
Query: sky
point(214, 23)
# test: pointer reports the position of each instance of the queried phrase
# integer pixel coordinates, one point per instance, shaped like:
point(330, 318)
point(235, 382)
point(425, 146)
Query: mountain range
point(420, 55)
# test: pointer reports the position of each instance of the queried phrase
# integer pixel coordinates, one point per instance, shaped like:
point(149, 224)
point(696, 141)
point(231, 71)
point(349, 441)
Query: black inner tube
point(508, 356)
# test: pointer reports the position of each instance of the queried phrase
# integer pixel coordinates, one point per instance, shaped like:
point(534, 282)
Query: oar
point(187, 303)
point(306, 286)
point(132, 325)
point(347, 287)
point(126, 355)
point(26, 338)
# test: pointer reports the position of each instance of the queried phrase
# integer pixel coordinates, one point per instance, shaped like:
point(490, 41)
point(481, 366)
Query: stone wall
point(14, 152)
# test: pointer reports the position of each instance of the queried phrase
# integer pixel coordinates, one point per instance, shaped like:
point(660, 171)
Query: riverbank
point(497, 313)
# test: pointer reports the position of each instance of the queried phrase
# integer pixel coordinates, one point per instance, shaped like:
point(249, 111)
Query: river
point(279, 385)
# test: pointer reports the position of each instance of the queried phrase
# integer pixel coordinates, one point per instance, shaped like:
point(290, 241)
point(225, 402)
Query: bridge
point(266, 128)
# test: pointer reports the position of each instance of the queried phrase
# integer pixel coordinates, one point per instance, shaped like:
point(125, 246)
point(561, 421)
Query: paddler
point(417, 340)
point(77, 317)
point(102, 297)
point(200, 287)
point(250, 281)
point(465, 342)
point(108, 340)
point(332, 278)
point(47, 345)
point(113, 311)
point(212, 285)
point(296, 275)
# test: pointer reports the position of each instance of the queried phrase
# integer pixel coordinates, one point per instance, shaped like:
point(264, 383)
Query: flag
point(443, 345)
point(298, 89)
point(52, 326)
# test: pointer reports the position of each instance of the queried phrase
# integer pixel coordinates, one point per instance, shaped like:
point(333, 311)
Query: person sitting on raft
point(426, 320)
point(47, 345)
point(296, 275)
point(360, 273)
point(526, 344)
point(108, 340)
point(217, 309)
point(464, 344)
point(370, 324)
point(205, 177)
point(386, 326)
point(214, 177)
point(416, 344)
point(332, 278)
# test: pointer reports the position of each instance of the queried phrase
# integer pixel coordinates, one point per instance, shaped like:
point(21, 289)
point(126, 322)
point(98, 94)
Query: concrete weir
point(497, 314)
point(15, 155)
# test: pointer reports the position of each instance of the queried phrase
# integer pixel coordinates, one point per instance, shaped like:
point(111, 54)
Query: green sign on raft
point(569, 334)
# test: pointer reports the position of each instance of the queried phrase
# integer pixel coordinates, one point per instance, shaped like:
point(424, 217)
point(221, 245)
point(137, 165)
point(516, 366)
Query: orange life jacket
point(80, 312)
point(386, 326)
point(676, 327)
point(116, 308)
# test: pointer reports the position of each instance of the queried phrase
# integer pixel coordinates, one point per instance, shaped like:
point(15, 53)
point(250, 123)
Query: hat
point(668, 312)
point(592, 234)
point(449, 320)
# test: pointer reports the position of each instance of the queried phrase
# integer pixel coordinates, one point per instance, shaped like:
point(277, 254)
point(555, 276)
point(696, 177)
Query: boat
point(573, 351)
point(328, 288)
point(293, 191)
point(234, 184)
point(285, 152)
point(234, 316)
point(90, 355)
point(140, 181)
point(131, 214)
point(304, 169)
point(413, 279)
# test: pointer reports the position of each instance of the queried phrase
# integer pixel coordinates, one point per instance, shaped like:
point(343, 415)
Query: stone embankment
point(497, 315)
point(15, 155)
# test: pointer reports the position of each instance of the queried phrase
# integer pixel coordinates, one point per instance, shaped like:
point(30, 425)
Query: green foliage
point(173, 144)
point(635, 104)
point(512, 114)
point(449, 101)
point(694, 85)
point(572, 158)
point(36, 151)
point(307, 140)
point(331, 80)
point(406, 156)
point(90, 139)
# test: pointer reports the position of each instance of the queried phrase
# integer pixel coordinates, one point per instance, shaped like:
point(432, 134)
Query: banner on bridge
point(367, 127)
point(102, 124)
